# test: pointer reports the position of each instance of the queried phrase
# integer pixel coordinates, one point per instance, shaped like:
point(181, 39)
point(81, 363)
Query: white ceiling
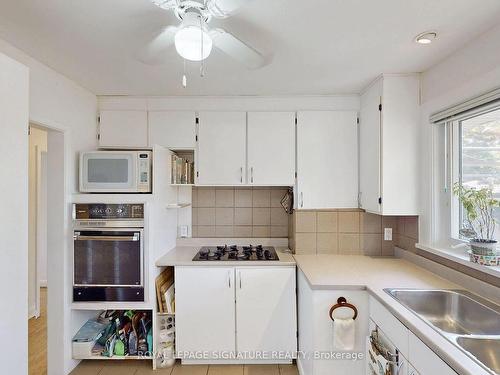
point(317, 46)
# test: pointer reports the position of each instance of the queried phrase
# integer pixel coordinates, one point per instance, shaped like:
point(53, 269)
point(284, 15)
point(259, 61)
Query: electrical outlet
point(387, 234)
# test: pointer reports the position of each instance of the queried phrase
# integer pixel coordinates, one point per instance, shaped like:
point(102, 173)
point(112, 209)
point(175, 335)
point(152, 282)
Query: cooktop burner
point(236, 253)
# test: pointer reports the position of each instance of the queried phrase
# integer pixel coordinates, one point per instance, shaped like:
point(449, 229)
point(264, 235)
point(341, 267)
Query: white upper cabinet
point(389, 137)
point(271, 148)
point(221, 148)
point(327, 160)
point(123, 129)
point(172, 129)
point(369, 146)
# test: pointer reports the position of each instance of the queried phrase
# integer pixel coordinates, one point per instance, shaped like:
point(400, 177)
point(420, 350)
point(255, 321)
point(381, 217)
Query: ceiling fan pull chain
point(184, 78)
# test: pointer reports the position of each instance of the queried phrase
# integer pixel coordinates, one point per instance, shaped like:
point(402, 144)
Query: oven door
point(105, 171)
point(104, 258)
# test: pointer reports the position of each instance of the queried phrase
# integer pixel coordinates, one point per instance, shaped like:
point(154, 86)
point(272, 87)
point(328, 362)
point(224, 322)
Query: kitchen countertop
point(183, 256)
point(358, 272)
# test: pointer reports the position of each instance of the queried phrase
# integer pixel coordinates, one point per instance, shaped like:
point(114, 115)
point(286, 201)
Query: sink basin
point(485, 350)
point(452, 311)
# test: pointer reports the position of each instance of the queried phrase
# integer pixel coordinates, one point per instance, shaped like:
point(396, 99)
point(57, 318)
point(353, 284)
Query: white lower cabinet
point(421, 360)
point(265, 310)
point(223, 311)
point(316, 350)
point(204, 304)
point(412, 371)
point(424, 360)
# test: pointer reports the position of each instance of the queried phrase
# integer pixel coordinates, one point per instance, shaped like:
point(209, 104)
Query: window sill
point(460, 256)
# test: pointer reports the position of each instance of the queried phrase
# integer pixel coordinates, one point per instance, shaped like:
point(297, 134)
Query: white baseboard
point(32, 313)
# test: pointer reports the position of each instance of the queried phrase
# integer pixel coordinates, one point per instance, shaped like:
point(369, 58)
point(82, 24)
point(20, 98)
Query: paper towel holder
point(342, 302)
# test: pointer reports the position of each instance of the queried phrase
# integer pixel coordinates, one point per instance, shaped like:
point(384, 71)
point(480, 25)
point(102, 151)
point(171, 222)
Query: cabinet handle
point(229, 278)
point(239, 275)
point(241, 175)
point(301, 199)
point(251, 174)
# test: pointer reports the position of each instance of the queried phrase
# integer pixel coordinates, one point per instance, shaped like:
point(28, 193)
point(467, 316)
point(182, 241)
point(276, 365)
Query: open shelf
point(119, 358)
point(182, 168)
point(111, 306)
point(178, 205)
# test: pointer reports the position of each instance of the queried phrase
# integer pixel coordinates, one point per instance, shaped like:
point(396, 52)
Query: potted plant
point(480, 223)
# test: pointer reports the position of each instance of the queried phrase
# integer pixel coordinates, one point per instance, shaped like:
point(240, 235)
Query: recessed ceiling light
point(426, 37)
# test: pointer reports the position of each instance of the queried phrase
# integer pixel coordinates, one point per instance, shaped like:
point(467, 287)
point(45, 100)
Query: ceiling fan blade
point(237, 49)
point(154, 51)
point(225, 8)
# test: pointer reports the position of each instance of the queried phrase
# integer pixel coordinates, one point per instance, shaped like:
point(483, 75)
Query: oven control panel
point(104, 211)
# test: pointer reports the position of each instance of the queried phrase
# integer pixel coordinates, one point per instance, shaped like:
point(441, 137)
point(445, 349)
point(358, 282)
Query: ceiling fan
point(193, 39)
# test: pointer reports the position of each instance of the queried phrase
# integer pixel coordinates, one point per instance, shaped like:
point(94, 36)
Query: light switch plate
point(387, 234)
point(184, 231)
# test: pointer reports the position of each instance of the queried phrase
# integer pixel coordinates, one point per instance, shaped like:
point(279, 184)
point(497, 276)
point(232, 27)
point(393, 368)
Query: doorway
point(37, 249)
point(46, 244)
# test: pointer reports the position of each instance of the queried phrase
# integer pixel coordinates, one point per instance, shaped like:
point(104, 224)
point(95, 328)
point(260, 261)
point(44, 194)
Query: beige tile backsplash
point(350, 232)
point(407, 233)
point(239, 212)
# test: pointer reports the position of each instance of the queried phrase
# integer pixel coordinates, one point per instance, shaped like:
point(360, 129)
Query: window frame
point(453, 166)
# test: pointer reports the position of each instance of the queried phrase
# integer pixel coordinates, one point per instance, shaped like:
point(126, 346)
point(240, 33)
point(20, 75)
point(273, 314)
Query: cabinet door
point(172, 129)
point(271, 148)
point(327, 159)
point(123, 129)
point(411, 370)
point(266, 309)
point(424, 360)
point(222, 148)
point(204, 309)
point(369, 148)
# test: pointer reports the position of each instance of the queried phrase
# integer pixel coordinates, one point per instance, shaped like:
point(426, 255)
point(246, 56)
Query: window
point(478, 158)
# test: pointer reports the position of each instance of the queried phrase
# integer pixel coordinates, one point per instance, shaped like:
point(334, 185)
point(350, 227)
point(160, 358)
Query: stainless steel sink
point(451, 311)
point(468, 321)
point(486, 351)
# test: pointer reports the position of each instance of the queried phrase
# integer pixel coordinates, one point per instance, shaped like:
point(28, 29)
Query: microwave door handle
point(106, 238)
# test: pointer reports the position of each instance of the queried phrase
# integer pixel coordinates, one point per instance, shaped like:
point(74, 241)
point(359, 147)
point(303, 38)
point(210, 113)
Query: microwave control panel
point(144, 169)
point(104, 211)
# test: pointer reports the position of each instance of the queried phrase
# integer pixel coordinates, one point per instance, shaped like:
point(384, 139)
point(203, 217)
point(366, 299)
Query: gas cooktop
point(236, 253)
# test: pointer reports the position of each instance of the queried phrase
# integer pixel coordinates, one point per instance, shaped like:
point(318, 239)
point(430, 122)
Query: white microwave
point(115, 172)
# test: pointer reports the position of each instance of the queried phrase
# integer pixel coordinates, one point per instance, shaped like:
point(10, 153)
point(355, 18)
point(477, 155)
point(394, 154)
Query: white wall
point(59, 104)
point(471, 71)
point(14, 224)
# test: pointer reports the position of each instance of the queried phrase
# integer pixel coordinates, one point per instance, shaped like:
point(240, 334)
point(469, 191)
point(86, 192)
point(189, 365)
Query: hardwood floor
point(37, 339)
point(104, 367)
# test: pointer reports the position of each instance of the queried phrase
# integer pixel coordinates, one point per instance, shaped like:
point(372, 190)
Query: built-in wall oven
point(108, 253)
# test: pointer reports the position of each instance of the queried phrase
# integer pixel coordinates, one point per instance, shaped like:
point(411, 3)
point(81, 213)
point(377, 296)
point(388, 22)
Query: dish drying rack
point(381, 361)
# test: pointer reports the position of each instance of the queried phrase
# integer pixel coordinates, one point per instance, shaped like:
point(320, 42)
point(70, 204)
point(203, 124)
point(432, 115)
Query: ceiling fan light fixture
point(192, 40)
point(188, 42)
point(426, 37)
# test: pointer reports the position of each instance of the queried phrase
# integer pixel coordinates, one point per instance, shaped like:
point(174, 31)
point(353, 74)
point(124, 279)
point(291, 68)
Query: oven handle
point(78, 237)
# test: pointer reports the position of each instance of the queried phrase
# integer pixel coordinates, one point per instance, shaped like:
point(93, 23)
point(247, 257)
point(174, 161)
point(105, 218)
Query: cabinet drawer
point(424, 360)
point(393, 328)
